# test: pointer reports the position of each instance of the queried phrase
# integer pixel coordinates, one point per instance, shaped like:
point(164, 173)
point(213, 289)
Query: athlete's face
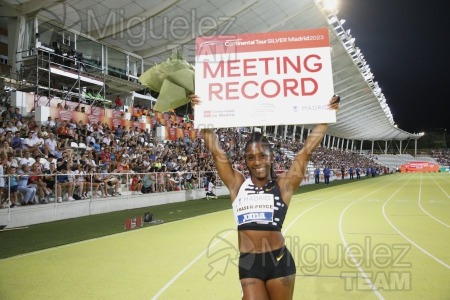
point(258, 159)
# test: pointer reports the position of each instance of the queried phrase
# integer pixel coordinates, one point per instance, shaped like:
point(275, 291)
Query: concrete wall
point(42, 213)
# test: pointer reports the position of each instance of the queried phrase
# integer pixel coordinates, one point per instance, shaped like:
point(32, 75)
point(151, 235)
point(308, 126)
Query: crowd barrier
point(169, 187)
point(97, 185)
point(172, 187)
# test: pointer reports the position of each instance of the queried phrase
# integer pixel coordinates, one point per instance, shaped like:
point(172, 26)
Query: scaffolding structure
point(48, 74)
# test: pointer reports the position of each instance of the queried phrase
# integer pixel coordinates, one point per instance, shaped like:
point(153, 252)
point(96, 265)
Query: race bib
point(254, 208)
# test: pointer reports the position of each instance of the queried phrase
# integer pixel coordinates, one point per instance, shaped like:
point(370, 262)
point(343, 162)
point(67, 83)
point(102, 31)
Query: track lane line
point(286, 228)
point(347, 249)
point(419, 200)
point(448, 196)
point(182, 271)
point(408, 239)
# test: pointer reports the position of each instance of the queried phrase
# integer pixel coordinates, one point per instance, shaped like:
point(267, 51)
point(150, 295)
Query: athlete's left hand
point(334, 102)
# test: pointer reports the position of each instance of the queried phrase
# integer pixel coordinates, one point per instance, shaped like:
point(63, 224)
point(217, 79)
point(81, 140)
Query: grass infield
point(53, 234)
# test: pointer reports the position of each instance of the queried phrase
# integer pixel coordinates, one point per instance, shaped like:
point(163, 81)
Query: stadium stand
point(135, 151)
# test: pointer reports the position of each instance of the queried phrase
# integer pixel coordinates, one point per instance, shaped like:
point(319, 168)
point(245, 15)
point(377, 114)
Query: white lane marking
point(375, 290)
point(170, 282)
point(408, 239)
point(438, 186)
point(423, 209)
point(348, 250)
point(286, 228)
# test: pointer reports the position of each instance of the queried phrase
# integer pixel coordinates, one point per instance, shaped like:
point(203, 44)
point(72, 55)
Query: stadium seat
point(74, 146)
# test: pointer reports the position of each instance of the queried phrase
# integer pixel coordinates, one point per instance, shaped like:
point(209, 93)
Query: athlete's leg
point(254, 289)
point(281, 288)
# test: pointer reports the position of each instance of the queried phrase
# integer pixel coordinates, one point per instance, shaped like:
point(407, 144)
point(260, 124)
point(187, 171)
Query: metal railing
point(66, 187)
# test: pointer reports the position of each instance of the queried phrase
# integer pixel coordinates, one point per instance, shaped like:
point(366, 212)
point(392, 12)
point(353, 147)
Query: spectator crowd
point(68, 160)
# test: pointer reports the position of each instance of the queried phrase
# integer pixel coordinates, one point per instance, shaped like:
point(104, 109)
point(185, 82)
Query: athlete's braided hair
point(257, 137)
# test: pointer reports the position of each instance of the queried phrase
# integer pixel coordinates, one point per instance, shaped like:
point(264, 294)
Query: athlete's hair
point(257, 137)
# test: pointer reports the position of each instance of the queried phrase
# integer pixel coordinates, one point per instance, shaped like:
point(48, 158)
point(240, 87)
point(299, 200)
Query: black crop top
point(259, 208)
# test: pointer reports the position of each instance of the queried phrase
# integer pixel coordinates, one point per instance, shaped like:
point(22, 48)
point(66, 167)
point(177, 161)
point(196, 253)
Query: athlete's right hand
point(195, 100)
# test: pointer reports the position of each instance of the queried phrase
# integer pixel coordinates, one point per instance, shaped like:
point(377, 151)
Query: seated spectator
point(90, 160)
point(96, 150)
point(105, 156)
point(11, 186)
point(39, 160)
point(66, 156)
point(148, 184)
point(118, 133)
point(27, 159)
point(63, 179)
point(63, 131)
point(32, 142)
point(50, 180)
point(7, 135)
point(172, 182)
point(110, 180)
point(32, 125)
point(189, 180)
point(162, 180)
point(18, 114)
point(24, 188)
point(37, 179)
point(80, 181)
point(10, 161)
point(99, 127)
point(106, 140)
point(94, 182)
point(137, 114)
point(9, 113)
point(51, 146)
point(83, 159)
point(49, 123)
point(40, 142)
point(136, 184)
point(6, 149)
point(90, 139)
point(11, 127)
point(64, 147)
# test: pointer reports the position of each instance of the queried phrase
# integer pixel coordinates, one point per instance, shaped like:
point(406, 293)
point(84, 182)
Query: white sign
point(275, 78)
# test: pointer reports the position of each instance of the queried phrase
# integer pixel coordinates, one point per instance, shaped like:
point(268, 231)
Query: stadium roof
point(153, 29)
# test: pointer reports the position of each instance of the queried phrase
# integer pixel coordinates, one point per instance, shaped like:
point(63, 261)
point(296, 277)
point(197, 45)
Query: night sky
point(405, 43)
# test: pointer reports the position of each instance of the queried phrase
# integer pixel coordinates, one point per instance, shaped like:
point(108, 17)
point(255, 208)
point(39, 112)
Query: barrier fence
point(29, 189)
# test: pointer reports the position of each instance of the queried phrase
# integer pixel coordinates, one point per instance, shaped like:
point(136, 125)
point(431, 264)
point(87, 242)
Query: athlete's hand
point(194, 100)
point(334, 102)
